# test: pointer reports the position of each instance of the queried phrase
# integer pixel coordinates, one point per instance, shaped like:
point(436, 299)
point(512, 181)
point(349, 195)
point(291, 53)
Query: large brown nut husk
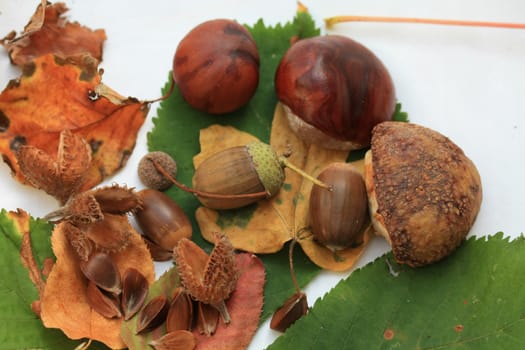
point(424, 192)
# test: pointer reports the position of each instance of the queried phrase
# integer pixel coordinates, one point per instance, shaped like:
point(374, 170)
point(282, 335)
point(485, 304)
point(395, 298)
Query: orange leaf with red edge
point(55, 94)
point(48, 32)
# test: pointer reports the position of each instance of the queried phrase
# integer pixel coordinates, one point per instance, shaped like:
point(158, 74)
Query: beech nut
point(335, 90)
point(424, 192)
point(216, 66)
point(338, 218)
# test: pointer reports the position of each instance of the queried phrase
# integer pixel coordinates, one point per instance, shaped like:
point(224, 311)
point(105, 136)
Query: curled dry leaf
point(269, 224)
point(67, 308)
point(48, 31)
point(33, 114)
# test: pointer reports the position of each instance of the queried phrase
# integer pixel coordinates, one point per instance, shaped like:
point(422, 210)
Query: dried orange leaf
point(55, 94)
point(64, 303)
point(48, 32)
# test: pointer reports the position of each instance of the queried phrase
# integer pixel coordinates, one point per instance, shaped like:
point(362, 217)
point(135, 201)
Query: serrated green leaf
point(472, 300)
point(21, 328)
point(176, 131)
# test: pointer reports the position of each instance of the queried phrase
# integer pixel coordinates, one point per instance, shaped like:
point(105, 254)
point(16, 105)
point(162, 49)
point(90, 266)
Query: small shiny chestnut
point(161, 219)
point(216, 66)
point(338, 218)
point(335, 91)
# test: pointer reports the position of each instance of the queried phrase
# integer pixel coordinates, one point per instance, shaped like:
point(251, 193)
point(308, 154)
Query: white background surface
point(467, 83)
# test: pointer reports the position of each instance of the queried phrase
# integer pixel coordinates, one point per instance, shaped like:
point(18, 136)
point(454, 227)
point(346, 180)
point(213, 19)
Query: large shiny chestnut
point(216, 66)
point(335, 91)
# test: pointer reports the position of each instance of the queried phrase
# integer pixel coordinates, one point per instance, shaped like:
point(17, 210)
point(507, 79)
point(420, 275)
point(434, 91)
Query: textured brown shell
point(423, 191)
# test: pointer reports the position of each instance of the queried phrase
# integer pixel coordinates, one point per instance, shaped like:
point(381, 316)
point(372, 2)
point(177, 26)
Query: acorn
point(239, 176)
point(339, 218)
point(245, 174)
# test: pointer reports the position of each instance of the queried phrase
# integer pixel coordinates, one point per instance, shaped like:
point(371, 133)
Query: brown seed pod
point(134, 292)
point(335, 90)
point(152, 315)
point(216, 66)
point(106, 304)
point(339, 217)
point(101, 270)
point(161, 219)
point(180, 314)
point(150, 176)
point(293, 309)
point(177, 340)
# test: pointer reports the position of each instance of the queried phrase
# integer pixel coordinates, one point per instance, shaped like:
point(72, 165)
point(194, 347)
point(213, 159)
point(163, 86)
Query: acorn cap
point(424, 193)
point(267, 166)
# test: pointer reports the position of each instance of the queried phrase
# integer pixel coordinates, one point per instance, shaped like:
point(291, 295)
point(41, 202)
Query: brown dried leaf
point(33, 114)
point(48, 31)
point(66, 307)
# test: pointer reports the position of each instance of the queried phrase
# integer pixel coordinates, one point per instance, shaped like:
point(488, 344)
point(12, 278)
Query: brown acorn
point(339, 218)
point(161, 219)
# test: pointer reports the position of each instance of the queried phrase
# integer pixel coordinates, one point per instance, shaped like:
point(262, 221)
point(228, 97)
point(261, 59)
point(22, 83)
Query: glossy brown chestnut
point(335, 90)
point(216, 66)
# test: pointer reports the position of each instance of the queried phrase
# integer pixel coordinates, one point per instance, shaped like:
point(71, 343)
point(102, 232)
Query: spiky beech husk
point(208, 279)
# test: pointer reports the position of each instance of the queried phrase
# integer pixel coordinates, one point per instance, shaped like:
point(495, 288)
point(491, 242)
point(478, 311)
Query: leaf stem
point(292, 270)
point(451, 22)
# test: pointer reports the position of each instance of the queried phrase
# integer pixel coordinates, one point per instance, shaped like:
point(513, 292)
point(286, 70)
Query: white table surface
point(467, 83)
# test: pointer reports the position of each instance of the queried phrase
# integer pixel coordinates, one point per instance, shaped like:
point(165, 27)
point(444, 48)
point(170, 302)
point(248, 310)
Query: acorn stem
point(185, 188)
point(340, 19)
point(285, 163)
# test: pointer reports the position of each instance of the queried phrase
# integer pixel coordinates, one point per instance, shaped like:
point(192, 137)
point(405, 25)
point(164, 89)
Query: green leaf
point(475, 299)
point(21, 328)
point(176, 131)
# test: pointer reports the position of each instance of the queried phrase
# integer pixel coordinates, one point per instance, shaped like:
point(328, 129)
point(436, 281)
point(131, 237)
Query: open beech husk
point(424, 192)
point(208, 279)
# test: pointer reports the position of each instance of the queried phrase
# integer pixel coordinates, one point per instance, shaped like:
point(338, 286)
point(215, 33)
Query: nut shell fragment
point(424, 193)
